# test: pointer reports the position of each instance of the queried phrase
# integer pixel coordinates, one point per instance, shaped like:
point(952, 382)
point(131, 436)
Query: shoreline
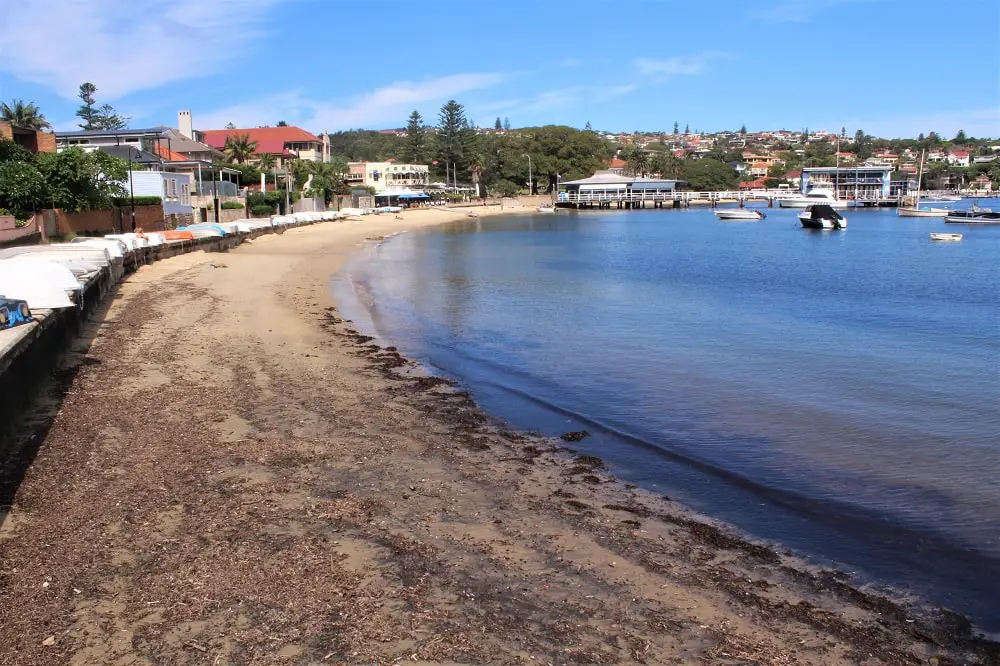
point(217, 484)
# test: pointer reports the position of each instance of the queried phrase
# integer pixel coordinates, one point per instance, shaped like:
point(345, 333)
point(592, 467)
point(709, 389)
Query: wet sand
point(226, 473)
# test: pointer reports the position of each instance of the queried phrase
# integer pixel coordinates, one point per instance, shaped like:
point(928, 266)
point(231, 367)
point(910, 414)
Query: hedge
point(123, 202)
point(262, 210)
point(231, 205)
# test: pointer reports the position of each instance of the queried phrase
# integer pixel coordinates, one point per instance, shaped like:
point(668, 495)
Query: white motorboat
point(815, 196)
point(921, 212)
point(822, 216)
point(949, 238)
point(739, 214)
point(943, 198)
point(546, 208)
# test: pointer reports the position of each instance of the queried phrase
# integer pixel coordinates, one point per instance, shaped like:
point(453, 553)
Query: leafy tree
point(668, 165)
point(862, 145)
point(920, 137)
point(23, 114)
point(587, 127)
point(676, 128)
point(282, 123)
point(13, 152)
point(960, 137)
point(933, 139)
point(230, 125)
point(22, 188)
point(498, 125)
point(638, 160)
point(506, 124)
point(239, 148)
point(414, 148)
point(108, 119)
point(80, 181)
point(267, 162)
point(709, 175)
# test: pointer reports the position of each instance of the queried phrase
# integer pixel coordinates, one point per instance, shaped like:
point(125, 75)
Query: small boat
point(951, 238)
point(922, 212)
point(815, 196)
point(822, 216)
point(739, 214)
point(974, 215)
point(546, 208)
point(944, 198)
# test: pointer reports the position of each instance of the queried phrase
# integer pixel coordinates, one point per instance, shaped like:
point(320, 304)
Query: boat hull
point(802, 202)
point(747, 215)
point(980, 218)
point(921, 212)
point(946, 238)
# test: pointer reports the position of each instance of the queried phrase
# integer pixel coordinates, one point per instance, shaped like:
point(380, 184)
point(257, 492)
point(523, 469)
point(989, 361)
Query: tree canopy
point(23, 114)
point(93, 117)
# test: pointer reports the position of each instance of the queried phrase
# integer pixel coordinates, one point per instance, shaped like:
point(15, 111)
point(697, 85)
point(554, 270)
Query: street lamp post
point(530, 189)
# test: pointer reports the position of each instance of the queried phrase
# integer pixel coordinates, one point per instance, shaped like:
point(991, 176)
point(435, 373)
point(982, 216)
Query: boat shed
point(606, 187)
point(862, 184)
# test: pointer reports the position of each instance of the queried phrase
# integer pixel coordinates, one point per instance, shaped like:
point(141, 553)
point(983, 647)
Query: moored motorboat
point(822, 216)
point(546, 208)
point(815, 196)
point(739, 214)
point(974, 215)
point(952, 238)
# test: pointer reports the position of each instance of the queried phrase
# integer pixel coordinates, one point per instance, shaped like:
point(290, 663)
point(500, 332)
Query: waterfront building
point(284, 143)
point(387, 175)
point(607, 186)
point(866, 183)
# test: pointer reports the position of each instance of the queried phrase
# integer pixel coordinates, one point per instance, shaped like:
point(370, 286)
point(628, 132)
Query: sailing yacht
point(916, 210)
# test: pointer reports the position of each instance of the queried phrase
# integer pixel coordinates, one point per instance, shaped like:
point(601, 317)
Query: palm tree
point(239, 148)
point(23, 114)
point(267, 162)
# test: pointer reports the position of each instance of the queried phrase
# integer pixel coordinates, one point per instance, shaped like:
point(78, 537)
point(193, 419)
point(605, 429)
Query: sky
point(894, 68)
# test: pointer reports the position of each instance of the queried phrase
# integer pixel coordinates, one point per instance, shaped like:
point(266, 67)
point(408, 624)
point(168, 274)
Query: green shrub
point(125, 202)
point(232, 205)
point(262, 210)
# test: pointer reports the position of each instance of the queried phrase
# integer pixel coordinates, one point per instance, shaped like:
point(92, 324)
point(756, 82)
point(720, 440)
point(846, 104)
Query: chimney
point(184, 124)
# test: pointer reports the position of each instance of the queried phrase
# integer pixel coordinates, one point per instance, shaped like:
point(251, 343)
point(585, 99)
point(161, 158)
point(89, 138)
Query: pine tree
point(453, 136)
point(743, 130)
point(587, 127)
point(921, 137)
point(415, 147)
point(282, 123)
point(960, 137)
point(843, 131)
point(230, 125)
point(506, 124)
point(676, 128)
point(498, 125)
point(687, 129)
point(87, 113)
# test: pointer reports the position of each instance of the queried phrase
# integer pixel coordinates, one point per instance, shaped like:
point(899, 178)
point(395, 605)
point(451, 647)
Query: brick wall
point(149, 218)
point(9, 231)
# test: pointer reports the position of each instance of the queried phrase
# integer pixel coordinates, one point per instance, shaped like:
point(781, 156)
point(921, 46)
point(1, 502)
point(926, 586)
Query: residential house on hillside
point(958, 158)
point(284, 143)
point(617, 166)
point(88, 140)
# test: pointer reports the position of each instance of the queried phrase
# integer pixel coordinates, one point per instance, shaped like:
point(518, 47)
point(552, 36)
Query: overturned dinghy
point(43, 285)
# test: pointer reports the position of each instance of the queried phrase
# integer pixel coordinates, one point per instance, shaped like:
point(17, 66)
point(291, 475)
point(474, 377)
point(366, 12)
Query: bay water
point(834, 392)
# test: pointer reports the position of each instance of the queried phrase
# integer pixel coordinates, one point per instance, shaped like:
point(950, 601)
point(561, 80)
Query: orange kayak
point(177, 235)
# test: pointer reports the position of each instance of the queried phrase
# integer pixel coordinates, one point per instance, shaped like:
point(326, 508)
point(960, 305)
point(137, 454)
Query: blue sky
point(890, 67)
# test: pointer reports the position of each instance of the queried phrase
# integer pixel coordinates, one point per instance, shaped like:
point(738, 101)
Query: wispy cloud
point(387, 105)
point(801, 11)
point(691, 64)
point(123, 47)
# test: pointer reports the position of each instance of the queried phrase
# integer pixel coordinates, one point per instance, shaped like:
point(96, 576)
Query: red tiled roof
point(797, 173)
point(270, 140)
point(752, 184)
point(617, 163)
point(960, 153)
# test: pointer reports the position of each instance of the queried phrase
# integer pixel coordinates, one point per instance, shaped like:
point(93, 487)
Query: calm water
point(835, 392)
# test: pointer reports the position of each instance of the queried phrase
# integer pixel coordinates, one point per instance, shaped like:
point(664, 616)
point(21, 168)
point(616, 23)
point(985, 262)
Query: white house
point(173, 188)
point(958, 158)
point(388, 175)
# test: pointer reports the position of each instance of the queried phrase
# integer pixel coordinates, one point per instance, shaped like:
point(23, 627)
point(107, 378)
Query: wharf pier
point(684, 199)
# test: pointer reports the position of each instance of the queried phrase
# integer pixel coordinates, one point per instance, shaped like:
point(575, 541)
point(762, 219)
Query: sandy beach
point(226, 472)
